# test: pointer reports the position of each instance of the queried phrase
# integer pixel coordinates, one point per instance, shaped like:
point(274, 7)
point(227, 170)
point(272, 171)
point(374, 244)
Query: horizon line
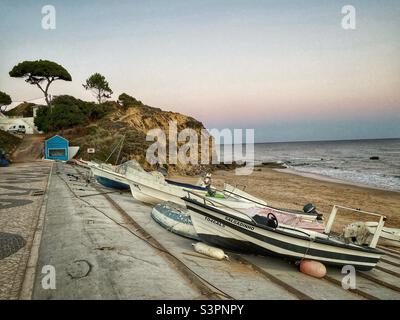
point(329, 140)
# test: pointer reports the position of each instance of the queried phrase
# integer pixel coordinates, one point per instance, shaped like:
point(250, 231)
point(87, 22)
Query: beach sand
point(287, 190)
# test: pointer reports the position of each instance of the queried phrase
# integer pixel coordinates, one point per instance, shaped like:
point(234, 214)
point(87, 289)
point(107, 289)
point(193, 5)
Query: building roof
point(58, 137)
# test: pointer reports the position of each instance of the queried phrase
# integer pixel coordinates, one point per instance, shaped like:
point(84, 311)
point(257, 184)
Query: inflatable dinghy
point(174, 219)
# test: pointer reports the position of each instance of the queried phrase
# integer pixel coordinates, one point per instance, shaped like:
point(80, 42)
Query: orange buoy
point(313, 268)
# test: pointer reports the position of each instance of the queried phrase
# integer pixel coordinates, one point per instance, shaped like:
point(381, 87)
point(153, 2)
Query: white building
point(28, 122)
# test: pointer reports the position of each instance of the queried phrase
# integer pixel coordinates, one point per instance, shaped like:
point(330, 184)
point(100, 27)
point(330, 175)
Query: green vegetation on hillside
point(24, 109)
point(5, 100)
point(103, 136)
point(8, 142)
point(67, 112)
point(128, 101)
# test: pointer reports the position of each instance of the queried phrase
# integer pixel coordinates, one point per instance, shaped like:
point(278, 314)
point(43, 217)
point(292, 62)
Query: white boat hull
point(165, 193)
point(152, 195)
point(109, 178)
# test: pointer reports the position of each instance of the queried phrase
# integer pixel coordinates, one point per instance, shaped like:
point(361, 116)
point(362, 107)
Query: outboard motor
point(310, 208)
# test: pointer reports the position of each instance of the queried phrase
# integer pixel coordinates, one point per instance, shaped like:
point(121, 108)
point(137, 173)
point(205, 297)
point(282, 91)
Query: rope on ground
point(221, 292)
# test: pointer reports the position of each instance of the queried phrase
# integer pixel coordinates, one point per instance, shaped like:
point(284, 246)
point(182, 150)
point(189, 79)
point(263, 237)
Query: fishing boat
point(309, 211)
point(153, 188)
point(234, 230)
point(108, 176)
point(241, 194)
point(175, 219)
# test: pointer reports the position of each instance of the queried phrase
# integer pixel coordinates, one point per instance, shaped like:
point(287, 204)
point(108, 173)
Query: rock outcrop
point(132, 124)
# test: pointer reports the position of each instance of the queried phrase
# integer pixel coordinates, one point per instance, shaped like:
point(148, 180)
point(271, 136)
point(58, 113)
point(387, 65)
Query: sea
point(349, 160)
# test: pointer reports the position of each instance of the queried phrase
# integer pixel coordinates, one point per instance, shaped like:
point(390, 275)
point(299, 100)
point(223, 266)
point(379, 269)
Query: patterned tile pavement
point(19, 212)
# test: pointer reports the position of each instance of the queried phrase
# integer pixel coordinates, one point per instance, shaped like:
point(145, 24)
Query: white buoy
point(210, 251)
point(313, 268)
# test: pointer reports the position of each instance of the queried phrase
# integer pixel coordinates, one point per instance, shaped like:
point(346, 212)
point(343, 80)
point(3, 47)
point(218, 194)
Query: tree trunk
point(46, 97)
point(45, 91)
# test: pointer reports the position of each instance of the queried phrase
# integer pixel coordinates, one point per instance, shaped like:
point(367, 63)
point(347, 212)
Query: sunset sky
point(286, 68)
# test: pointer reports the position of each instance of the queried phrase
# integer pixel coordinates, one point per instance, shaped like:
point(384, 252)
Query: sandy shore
point(288, 190)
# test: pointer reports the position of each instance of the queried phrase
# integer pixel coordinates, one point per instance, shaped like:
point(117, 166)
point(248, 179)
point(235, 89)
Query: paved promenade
point(21, 197)
point(82, 241)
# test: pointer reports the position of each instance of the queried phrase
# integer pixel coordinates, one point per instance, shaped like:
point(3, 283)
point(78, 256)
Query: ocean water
point(344, 160)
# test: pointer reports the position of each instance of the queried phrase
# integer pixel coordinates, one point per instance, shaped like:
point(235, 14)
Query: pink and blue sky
point(286, 68)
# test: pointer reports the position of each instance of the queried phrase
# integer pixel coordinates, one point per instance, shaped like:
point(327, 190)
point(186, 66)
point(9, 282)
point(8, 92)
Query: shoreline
point(284, 188)
point(324, 178)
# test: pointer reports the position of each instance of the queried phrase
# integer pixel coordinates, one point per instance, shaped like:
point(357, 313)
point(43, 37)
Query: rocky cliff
point(133, 123)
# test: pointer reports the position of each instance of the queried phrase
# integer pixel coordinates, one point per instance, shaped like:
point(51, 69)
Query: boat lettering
point(214, 221)
point(239, 223)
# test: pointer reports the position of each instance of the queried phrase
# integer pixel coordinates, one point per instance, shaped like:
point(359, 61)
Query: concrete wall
point(7, 122)
point(72, 151)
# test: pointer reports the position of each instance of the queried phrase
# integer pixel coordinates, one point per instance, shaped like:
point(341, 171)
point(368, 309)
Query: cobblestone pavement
point(10, 243)
point(19, 212)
